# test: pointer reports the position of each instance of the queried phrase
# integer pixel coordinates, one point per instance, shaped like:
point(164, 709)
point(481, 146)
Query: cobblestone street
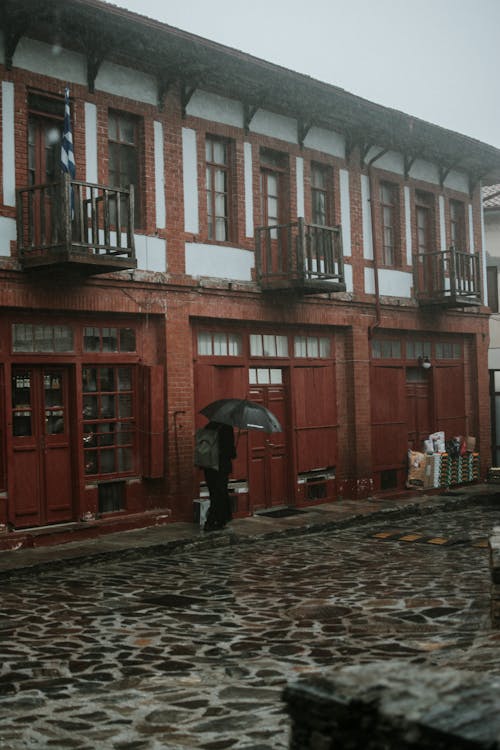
point(192, 649)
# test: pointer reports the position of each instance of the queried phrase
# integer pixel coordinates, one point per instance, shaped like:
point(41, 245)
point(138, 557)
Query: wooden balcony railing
point(449, 278)
point(70, 222)
point(303, 257)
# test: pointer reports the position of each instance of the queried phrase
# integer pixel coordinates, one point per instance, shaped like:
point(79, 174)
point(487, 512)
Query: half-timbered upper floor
point(196, 162)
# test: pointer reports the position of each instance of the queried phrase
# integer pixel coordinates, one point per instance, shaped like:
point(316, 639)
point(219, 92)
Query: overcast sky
point(434, 59)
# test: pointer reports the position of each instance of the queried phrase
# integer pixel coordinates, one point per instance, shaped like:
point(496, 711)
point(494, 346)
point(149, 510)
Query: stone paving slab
point(151, 540)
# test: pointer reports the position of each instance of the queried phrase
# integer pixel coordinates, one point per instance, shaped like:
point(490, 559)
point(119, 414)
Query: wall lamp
point(424, 362)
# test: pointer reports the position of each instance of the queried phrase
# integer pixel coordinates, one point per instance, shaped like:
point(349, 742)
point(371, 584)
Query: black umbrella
point(237, 412)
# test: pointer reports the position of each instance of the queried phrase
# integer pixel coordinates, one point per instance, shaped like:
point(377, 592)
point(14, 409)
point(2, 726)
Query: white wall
point(219, 261)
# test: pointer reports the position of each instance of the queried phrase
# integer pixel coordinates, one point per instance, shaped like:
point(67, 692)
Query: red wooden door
point(268, 454)
point(418, 408)
point(44, 153)
point(40, 473)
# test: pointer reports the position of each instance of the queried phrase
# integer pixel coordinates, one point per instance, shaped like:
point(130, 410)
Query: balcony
point(449, 278)
point(300, 257)
point(75, 225)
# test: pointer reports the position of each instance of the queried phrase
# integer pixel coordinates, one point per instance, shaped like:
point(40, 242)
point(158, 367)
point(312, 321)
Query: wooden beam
point(249, 112)
point(408, 163)
point(302, 130)
point(186, 94)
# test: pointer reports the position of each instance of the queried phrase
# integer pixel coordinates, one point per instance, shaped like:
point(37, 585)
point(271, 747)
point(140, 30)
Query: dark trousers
point(219, 512)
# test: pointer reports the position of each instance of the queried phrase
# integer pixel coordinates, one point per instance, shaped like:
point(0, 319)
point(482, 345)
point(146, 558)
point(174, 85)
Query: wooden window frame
point(457, 225)
point(136, 145)
point(390, 252)
point(213, 167)
point(327, 191)
point(492, 286)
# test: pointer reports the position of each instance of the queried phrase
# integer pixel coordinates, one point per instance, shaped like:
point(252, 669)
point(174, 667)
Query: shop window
point(448, 350)
point(217, 170)
point(265, 376)
point(321, 195)
point(41, 338)
point(124, 161)
point(268, 345)
point(108, 419)
point(108, 339)
point(219, 344)
point(386, 349)
point(312, 346)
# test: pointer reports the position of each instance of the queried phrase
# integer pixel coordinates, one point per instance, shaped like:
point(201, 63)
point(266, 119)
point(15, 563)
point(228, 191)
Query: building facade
point(232, 229)
point(491, 205)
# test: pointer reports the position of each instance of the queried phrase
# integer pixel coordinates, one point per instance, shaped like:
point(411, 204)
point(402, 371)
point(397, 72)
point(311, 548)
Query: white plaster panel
point(8, 234)
point(369, 281)
point(161, 218)
point(442, 224)
point(407, 199)
point(151, 253)
point(326, 141)
point(366, 218)
point(471, 231)
point(275, 126)
point(219, 261)
point(91, 142)
point(126, 82)
point(391, 283)
point(247, 161)
point(457, 181)
point(299, 170)
point(391, 161)
point(8, 145)
point(50, 60)
point(190, 176)
point(348, 277)
point(345, 211)
point(425, 171)
point(215, 107)
point(493, 359)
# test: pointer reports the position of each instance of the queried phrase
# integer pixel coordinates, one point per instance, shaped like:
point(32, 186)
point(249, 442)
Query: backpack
point(206, 449)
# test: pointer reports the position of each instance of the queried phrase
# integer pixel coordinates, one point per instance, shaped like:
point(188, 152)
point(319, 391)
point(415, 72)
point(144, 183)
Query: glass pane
point(44, 339)
point(54, 421)
point(89, 379)
point(90, 435)
point(63, 339)
point(204, 344)
point(124, 379)
point(52, 389)
point(300, 346)
point(107, 379)
point(497, 381)
point(220, 204)
point(90, 460)
point(112, 126)
point(106, 461)
point(21, 390)
point(221, 181)
point(109, 340)
point(90, 407)
point(124, 457)
point(22, 337)
point(123, 433)
point(234, 344)
point(269, 346)
point(256, 345)
point(219, 152)
point(106, 434)
point(127, 340)
point(220, 344)
point(209, 149)
point(312, 346)
point(324, 347)
point(125, 405)
point(281, 346)
point(221, 230)
point(127, 130)
point(276, 376)
point(108, 407)
point(263, 376)
point(252, 376)
point(91, 339)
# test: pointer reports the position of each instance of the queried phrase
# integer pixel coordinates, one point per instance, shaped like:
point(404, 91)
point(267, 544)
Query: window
point(387, 349)
point(219, 344)
point(265, 345)
point(108, 420)
point(108, 339)
point(448, 350)
point(41, 338)
point(389, 218)
point(492, 282)
point(416, 349)
point(321, 195)
point(274, 166)
point(265, 376)
point(46, 115)
point(312, 346)
point(123, 151)
point(457, 225)
point(424, 203)
point(217, 183)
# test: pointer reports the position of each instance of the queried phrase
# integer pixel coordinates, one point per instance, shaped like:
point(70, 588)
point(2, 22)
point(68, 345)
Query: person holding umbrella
point(219, 512)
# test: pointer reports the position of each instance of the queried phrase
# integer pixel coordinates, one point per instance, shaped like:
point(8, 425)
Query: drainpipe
point(371, 182)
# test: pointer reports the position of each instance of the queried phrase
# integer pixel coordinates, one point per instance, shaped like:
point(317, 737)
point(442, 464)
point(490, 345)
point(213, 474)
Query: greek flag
point(67, 155)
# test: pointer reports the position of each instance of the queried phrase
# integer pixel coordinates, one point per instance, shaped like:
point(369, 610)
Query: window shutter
point(152, 391)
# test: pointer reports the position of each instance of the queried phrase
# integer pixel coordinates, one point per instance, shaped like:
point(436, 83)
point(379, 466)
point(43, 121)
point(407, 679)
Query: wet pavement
point(191, 646)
